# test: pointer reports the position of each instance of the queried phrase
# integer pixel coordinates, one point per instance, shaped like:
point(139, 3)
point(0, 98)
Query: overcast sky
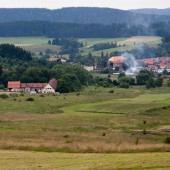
point(55, 4)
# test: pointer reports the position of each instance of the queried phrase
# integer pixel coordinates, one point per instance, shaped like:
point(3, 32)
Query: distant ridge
point(153, 11)
point(80, 15)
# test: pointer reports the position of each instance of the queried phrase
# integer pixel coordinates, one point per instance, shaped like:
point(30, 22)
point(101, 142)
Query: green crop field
point(82, 128)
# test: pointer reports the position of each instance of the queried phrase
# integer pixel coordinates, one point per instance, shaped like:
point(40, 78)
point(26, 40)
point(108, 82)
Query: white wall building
point(48, 89)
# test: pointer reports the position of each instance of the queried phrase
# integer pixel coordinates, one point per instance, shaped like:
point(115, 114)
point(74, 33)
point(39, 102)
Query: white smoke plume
point(133, 66)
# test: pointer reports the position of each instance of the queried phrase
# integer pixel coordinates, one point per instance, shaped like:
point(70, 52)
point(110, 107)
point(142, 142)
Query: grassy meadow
point(93, 121)
point(40, 44)
point(124, 43)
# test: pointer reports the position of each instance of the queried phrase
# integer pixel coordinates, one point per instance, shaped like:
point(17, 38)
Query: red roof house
point(14, 84)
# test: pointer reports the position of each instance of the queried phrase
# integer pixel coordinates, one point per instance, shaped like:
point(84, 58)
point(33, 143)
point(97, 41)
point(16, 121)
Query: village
point(158, 65)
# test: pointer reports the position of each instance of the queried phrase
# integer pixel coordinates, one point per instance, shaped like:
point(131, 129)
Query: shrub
point(167, 140)
point(137, 141)
point(21, 94)
point(14, 95)
point(144, 122)
point(124, 85)
point(77, 94)
point(144, 132)
point(4, 96)
point(30, 99)
point(2, 86)
point(111, 91)
point(66, 136)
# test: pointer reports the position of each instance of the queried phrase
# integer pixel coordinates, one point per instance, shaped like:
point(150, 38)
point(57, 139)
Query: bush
point(144, 132)
point(4, 96)
point(124, 85)
point(111, 91)
point(2, 87)
point(168, 83)
point(21, 94)
point(30, 99)
point(167, 140)
point(14, 95)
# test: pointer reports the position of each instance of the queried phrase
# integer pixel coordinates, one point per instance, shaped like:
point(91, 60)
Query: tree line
point(81, 15)
point(67, 30)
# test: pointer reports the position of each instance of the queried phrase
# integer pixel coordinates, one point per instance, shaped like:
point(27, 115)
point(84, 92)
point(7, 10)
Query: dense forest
point(69, 45)
point(67, 30)
point(82, 15)
point(152, 11)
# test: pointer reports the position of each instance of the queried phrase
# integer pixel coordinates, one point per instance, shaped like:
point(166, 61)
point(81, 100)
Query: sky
point(55, 4)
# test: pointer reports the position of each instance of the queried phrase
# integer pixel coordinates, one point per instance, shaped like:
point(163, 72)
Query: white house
point(48, 89)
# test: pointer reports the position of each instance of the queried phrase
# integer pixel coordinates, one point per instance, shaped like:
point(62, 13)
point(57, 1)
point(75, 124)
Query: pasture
point(40, 44)
point(124, 44)
point(93, 129)
point(128, 120)
point(24, 41)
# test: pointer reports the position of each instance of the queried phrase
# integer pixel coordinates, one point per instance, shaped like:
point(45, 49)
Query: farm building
point(48, 89)
point(38, 87)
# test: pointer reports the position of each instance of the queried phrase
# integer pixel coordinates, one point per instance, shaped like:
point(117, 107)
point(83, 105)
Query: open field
point(128, 120)
point(39, 44)
point(92, 41)
point(125, 43)
point(21, 160)
point(23, 41)
point(42, 48)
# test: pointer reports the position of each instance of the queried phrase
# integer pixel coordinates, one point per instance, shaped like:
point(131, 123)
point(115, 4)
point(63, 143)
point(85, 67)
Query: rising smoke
point(133, 67)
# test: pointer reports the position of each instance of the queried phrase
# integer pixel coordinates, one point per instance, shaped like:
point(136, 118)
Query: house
point(32, 86)
point(55, 59)
point(48, 89)
point(14, 85)
point(37, 87)
point(117, 61)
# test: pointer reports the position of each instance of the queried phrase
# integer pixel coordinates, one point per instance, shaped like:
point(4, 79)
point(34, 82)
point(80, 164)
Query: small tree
point(168, 83)
point(2, 87)
point(150, 83)
point(121, 75)
point(158, 82)
point(49, 42)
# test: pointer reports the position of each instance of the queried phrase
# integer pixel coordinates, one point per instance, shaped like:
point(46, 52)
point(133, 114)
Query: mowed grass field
point(21, 160)
point(32, 44)
point(24, 41)
point(90, 130)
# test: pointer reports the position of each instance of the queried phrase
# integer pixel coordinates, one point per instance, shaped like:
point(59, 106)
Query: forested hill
point(66, 30)
point(152, 11)
point(82, 15)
